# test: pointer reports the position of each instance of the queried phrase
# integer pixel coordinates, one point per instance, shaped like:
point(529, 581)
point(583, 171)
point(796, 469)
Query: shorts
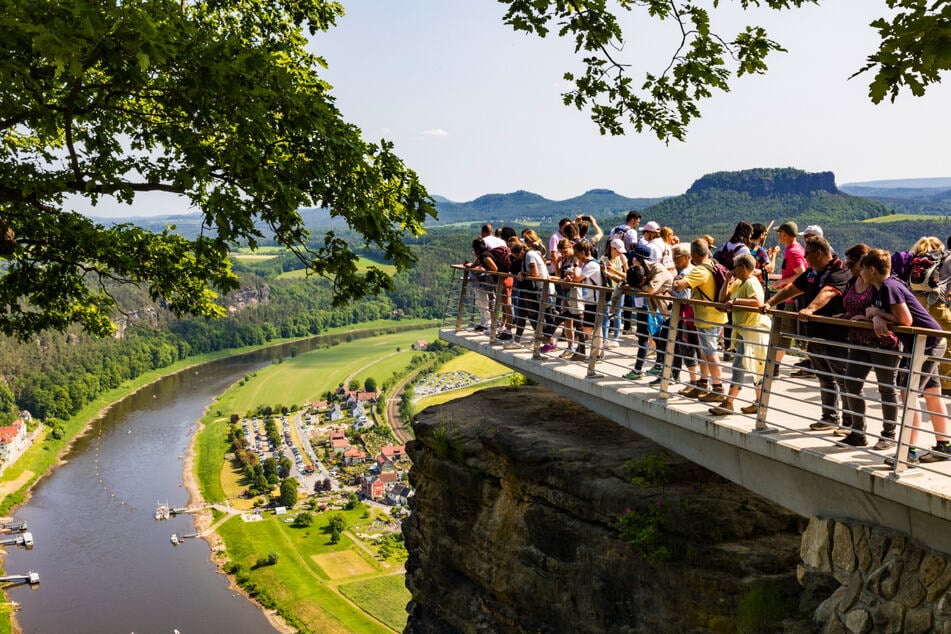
point(929, 377)
point(590, 316)
point(708, 339)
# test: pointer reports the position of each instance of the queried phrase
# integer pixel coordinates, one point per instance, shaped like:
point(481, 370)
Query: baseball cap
point(789, 228)
point(618, 244)
point(651, 226)
point(812, 230)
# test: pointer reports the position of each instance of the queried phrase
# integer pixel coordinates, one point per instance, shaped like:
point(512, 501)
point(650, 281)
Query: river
point(106, 565)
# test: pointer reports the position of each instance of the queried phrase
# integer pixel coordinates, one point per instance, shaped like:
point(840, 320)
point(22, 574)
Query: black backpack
point(924, 270)
point(725, 257)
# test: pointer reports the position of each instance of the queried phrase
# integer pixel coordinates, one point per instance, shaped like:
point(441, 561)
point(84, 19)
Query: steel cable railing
point(554, 313)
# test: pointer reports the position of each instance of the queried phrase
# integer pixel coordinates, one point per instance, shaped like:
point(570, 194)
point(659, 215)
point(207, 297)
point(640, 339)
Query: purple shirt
point(892, 292)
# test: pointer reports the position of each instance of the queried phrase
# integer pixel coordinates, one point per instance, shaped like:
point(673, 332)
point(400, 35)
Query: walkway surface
point(802, 470)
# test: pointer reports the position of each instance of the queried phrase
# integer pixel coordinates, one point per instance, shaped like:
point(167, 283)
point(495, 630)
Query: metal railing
point(553, 313)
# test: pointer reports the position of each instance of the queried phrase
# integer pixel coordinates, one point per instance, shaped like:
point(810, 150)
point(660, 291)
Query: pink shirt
point(793, 257)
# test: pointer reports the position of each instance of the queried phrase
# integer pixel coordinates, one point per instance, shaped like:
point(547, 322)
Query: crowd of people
point(641, 269)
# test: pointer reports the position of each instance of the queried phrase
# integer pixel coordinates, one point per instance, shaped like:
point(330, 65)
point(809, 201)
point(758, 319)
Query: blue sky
point(475, 107)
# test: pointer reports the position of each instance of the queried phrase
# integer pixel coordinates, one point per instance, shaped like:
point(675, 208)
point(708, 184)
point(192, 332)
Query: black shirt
point(834, 275)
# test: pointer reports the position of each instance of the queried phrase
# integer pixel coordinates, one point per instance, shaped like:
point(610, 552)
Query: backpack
point(503, 257)
point(719, 279)
point(725, 257)
point(901, 265)
point(924, 270)
point(606, 281)
point(619, 231)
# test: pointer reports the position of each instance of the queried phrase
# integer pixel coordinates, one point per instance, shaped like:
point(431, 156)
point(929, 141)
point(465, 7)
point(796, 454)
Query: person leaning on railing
point(894, 303)
point(822, 295)
point(935, 300)
point(708, 321)
point(743, 291)
point(871, 352)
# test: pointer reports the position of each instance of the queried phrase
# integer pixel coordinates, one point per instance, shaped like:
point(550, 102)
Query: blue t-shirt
point(892, 292)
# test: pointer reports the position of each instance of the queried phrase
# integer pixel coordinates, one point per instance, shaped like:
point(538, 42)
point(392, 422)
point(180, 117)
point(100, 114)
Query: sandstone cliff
point(516, 520)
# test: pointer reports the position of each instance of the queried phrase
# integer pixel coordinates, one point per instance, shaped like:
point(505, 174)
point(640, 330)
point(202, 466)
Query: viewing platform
point(773, 452)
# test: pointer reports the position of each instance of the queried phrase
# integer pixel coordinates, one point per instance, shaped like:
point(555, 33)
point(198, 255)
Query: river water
point(106, 565)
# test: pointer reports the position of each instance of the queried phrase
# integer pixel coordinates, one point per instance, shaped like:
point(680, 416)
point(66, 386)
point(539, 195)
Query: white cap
point(651, 226)
point(618, 244)
point(812, 230)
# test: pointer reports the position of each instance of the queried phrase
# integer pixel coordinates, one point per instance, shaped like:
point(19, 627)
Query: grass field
point(297, 581)
point(362, 265)
point(904, 217)
point(308, 376)
point(451, 395)
point(377, 597)
point(477, 364)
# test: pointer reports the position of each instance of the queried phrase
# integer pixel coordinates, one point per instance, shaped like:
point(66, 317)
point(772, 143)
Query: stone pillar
point(868, 579)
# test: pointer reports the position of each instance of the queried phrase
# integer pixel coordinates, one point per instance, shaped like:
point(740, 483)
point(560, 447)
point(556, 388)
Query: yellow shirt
point(700, 279)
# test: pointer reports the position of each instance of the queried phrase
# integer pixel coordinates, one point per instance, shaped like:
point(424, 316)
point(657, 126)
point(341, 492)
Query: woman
point(870, 352)
point(532, 277)
point(667, 257)
point(653, 280)
point(935, 301)
point(615, 269)
point(743, 290)
point(894, 303)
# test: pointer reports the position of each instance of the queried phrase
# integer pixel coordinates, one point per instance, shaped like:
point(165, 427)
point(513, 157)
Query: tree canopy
point(912, 53)
point(216, 101)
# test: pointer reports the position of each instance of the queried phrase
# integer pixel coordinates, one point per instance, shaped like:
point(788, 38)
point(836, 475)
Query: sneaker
point(913, 459)
point(724, 409)
point(612, 343)
point(713, 396)
point(842, 431)
point(805, 363)
point(883, 444)
point(802, 373)
point(633, 375)
point(750, 409)
point(547, 348)
point(566, 354)
point(479, 328)
point(657, 381)
point(503, 336)
point(854, 439)
point(656, 371)
point(577, 356)
point(824, 425)
point(692, 391)
point(938, 453)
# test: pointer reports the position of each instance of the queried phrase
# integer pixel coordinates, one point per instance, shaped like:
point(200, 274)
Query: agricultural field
point(310, 573)
point(308, 376)
point(362, 265)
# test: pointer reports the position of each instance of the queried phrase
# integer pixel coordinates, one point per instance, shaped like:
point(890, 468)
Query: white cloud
point(439, 132)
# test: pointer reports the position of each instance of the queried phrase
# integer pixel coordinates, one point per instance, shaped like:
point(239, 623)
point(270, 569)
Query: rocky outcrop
point(867, 579)
point(243, 298)
point(521, 501)
point(767, 182)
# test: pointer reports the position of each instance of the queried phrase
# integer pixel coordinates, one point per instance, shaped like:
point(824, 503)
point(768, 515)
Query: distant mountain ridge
point(523, 206)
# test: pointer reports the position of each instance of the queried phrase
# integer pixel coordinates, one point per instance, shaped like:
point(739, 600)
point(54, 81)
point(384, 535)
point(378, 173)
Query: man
point(553, 241)
point(794, 265)
point(708, 320)
point(588, 273)
point(627, 232)
point(822, 295)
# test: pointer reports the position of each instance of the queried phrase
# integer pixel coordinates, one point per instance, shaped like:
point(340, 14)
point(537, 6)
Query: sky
point(475, 108)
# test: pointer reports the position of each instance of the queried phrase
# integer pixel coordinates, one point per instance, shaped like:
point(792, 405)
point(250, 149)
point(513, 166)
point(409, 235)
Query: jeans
point(886, 375)
point(829, 366)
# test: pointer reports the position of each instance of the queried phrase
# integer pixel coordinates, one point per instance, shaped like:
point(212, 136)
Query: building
point(354, 455)
point(399, 495)
point(12, 439)
point(393, 453)
point(372, 487)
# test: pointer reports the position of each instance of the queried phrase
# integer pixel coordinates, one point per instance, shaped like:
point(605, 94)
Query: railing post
point(596, 333)
point(671, 349)
point(496, 306)
point(907, 426)
point(540, 322)
point(462, 299)
point(770, 370)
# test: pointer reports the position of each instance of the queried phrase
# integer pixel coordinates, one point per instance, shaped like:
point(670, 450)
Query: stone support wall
point(880, 581)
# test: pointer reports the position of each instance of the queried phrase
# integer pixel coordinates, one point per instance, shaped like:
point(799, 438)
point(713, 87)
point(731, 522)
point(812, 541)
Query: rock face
point(516, 523)
point(881, 581)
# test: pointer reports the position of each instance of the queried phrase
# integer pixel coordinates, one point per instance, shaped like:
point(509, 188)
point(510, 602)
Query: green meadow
point(904, 217)
point(363, 263)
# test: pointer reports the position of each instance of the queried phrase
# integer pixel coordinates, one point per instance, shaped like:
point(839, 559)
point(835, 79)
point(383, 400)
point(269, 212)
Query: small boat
point(176, 540)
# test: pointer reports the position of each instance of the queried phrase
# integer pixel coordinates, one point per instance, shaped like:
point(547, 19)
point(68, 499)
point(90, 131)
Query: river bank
point(42, 459)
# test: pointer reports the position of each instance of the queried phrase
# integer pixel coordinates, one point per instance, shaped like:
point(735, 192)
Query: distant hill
point(916, 188)
point(522, 206)
point(716, 202)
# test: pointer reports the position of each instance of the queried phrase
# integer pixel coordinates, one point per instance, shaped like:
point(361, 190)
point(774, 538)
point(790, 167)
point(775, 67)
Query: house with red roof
point(393, 453)
point(12, 439)
point(372, 487)
point(354, 455)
